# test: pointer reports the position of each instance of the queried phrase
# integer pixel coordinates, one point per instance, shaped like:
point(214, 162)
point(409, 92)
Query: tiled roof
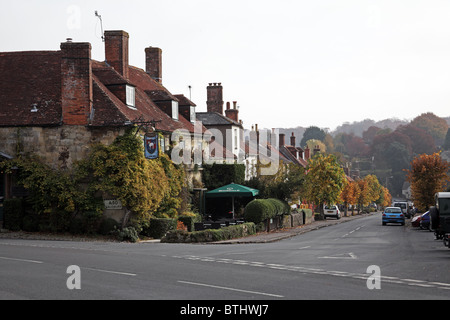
point(184, 101)
point(215, 119)
point(30, 80)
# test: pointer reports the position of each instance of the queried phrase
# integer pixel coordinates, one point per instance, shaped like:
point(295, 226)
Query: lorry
point(440, 217)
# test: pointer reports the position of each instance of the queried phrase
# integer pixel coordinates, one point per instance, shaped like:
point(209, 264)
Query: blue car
point(425, 221)
point(393, 215)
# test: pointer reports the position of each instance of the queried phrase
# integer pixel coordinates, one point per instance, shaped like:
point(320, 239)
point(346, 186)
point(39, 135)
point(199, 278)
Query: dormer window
point(131, 96)
point(174, 110)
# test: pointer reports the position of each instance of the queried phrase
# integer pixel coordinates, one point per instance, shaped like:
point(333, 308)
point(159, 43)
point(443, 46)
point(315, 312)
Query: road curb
point(289, 233)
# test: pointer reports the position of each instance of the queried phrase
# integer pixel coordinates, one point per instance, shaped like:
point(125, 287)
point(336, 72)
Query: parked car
point(331, 211)
point(421, 221)
point(415, 222)
point(425, 221)
point(393, 215)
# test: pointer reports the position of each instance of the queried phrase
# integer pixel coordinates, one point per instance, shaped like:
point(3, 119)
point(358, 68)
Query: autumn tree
point(422, 141)
point(313, 133)
point(385, 199)
point(370, 190)
point(351, 145)
point(446, 145)
point(437, 127)
point(286, 182)
point(374, 187)
point(428, 175)
point(324, 180)
point(349, 195)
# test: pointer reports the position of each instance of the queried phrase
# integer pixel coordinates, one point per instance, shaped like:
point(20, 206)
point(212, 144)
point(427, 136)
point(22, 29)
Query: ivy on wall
point(145, 187)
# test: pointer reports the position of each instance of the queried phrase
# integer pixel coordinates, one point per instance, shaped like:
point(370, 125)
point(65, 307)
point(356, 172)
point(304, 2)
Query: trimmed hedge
point(189, 221)
point(158, 227)
point(210, 235)
point(260, 210)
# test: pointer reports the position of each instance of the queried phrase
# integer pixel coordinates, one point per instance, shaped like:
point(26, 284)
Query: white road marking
point(22, 260)
point(349, 255)
point(109, 271)
point(306, 270)
point(231, 289)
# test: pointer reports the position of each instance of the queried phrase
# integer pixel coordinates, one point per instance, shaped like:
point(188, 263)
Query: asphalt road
point(329, 263)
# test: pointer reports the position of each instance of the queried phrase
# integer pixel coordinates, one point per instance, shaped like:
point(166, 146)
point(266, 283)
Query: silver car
point(331, 211)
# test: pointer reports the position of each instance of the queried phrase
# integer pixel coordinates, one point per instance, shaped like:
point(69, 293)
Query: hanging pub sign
point(151, 146)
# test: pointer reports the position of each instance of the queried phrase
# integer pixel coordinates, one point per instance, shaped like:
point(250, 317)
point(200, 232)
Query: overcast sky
point(287, 63)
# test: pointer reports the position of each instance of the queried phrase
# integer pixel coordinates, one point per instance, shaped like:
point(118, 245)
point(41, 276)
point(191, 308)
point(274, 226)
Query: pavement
point(277, 235)
point(263, 237)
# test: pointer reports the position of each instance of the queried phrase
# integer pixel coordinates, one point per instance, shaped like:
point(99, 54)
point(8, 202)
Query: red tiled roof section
point(30, 80)
point(30, 94)
point(111, 109)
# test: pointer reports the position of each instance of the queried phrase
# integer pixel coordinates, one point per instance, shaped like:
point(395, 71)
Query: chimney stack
point(292, 140)
point(232, 114)
point(214, 101)
point(307, 153)
point(282, 139)
point(76, 83)
point(116, 51)
point(153, 63)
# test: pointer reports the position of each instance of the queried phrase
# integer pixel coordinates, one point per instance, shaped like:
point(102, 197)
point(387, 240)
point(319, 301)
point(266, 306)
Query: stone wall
point(59, 147)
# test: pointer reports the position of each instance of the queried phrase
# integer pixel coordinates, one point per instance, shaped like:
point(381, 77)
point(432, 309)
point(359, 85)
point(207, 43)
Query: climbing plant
point(145, 187)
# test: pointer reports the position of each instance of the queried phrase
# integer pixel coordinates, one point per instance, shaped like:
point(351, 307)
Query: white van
point(404, 205)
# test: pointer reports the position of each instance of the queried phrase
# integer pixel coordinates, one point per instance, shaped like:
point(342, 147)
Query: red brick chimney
point(214, 101)
point(307, 153)
point(292, 140)
point(153, 63)
point(232, 114)
point(116, 51)
point(76, 83)
point(282, 139)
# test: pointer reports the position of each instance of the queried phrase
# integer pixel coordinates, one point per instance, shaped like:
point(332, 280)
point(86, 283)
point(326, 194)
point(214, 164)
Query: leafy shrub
point(30, 223)
point(281, 206)
point(260, 210)
point(210, 235)
point(189, 221)
point(127, 234)
point(257, 211)
point(13, 214)
point(158, 227)
point(107, 226)
point(218, 174)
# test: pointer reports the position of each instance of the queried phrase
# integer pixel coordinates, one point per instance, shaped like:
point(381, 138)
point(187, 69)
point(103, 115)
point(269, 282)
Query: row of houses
point(56, 104)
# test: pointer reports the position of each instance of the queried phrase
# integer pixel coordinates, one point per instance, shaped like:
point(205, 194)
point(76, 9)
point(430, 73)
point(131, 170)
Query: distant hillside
point(358, 127)
point(448, 120)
